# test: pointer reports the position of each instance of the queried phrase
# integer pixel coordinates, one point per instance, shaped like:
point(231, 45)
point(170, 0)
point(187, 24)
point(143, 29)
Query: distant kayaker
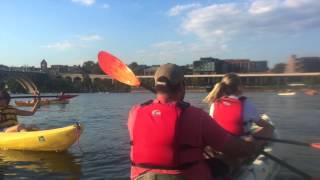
point(8, 115)
point(35, 93)
point(168, 135)
point(234, 112)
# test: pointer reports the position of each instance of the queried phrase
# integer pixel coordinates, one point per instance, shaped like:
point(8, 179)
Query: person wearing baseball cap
point(168, 135)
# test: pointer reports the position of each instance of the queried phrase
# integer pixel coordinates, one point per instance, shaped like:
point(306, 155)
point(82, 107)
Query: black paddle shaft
point(19, 97)
point(282, 141)
point(284, 164)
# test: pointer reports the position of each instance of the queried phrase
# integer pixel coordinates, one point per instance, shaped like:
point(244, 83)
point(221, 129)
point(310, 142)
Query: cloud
point(64, 45)
point(84, 2)
point(94, 37)
point(180, 52)
point(217, 27)
point(178, 9)
point(254, 17)
point(76, 42)
point(105, 6)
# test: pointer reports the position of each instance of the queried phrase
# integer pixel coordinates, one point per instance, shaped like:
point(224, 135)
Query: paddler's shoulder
point(138, 106)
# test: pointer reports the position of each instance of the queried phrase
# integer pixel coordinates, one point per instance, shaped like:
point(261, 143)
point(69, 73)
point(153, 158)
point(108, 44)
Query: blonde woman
point(234, 112)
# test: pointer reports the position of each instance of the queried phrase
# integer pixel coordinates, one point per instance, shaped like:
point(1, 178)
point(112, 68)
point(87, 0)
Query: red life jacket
point(228, 113)
point(154, 143)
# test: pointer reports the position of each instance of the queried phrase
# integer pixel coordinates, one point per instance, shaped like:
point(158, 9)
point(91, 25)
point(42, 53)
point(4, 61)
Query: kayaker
point(234, 112)
point(35, 93)
point(168, 135)
point(8, 115)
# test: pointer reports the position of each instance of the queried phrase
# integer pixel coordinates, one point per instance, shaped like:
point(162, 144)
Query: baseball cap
point(171, 72)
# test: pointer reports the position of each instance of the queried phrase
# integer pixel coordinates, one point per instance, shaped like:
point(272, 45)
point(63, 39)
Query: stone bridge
point(23, 78)
point(248, 78)
point(80, 77)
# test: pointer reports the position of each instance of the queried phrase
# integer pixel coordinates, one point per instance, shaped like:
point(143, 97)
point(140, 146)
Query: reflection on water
point(17, 163)
point(105, 139)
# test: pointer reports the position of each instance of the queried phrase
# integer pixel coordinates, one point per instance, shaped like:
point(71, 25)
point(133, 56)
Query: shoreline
point(246, 88)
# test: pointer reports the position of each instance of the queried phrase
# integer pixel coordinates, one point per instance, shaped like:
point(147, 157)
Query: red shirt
point(199, 130)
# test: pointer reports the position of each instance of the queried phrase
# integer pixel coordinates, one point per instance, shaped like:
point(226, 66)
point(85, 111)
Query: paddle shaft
point(19, 97)
point(283, 141)
point(284, 164)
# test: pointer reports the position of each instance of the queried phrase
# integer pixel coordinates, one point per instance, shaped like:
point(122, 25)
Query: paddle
point(118, 70)
point(284, 164)
point(312, 145)
point(49, 96)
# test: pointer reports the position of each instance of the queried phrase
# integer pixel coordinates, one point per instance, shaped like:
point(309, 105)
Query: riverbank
point(247, 88)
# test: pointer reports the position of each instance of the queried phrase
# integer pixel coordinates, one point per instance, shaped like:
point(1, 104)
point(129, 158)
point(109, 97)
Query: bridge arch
point(68, 78)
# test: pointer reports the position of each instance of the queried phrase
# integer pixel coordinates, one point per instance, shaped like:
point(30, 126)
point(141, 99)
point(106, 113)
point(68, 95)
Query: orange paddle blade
point(118, 70)
point(315, 145)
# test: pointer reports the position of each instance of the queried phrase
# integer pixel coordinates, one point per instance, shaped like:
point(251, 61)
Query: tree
point(133, 66)
point(88, 66)
point(279, 68)
point(91, 67)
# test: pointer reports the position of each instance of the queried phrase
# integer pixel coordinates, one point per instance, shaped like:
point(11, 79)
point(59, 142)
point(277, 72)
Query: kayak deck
point(59, 139)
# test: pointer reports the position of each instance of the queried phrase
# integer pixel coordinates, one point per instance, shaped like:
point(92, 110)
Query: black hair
point(163, 85)
point(5, 95)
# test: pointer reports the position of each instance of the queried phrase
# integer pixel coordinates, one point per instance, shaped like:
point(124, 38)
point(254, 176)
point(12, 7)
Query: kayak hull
point(287, 94)
point(59, 139)
point(42, 103)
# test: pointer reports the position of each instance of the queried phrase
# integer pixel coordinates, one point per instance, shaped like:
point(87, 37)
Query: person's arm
point(211, 111)
point(237, 147)
point(219, 139)
point(29, 113)
point(251, 114)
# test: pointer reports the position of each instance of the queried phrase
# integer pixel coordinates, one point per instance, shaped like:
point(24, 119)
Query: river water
point(104, 146)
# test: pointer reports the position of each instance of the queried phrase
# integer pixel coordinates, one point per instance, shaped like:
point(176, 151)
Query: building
point(302, 64)
point(246, 65)
point(150, 71)
point(74, 69)
point(238, 65)
point(24, 69)
point(44, 65)
point(258, 66)
point(187, 69)
point(139, 69)
point(59, 69)
point(209, 65)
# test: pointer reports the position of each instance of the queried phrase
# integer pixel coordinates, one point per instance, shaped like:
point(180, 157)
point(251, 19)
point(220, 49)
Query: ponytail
point(216, 93)
point(229, 85)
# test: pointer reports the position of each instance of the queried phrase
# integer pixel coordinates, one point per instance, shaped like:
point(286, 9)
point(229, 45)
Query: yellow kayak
point(59, 139)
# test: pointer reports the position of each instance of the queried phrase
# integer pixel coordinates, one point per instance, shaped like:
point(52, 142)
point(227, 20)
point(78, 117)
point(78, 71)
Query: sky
point(71, 32)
